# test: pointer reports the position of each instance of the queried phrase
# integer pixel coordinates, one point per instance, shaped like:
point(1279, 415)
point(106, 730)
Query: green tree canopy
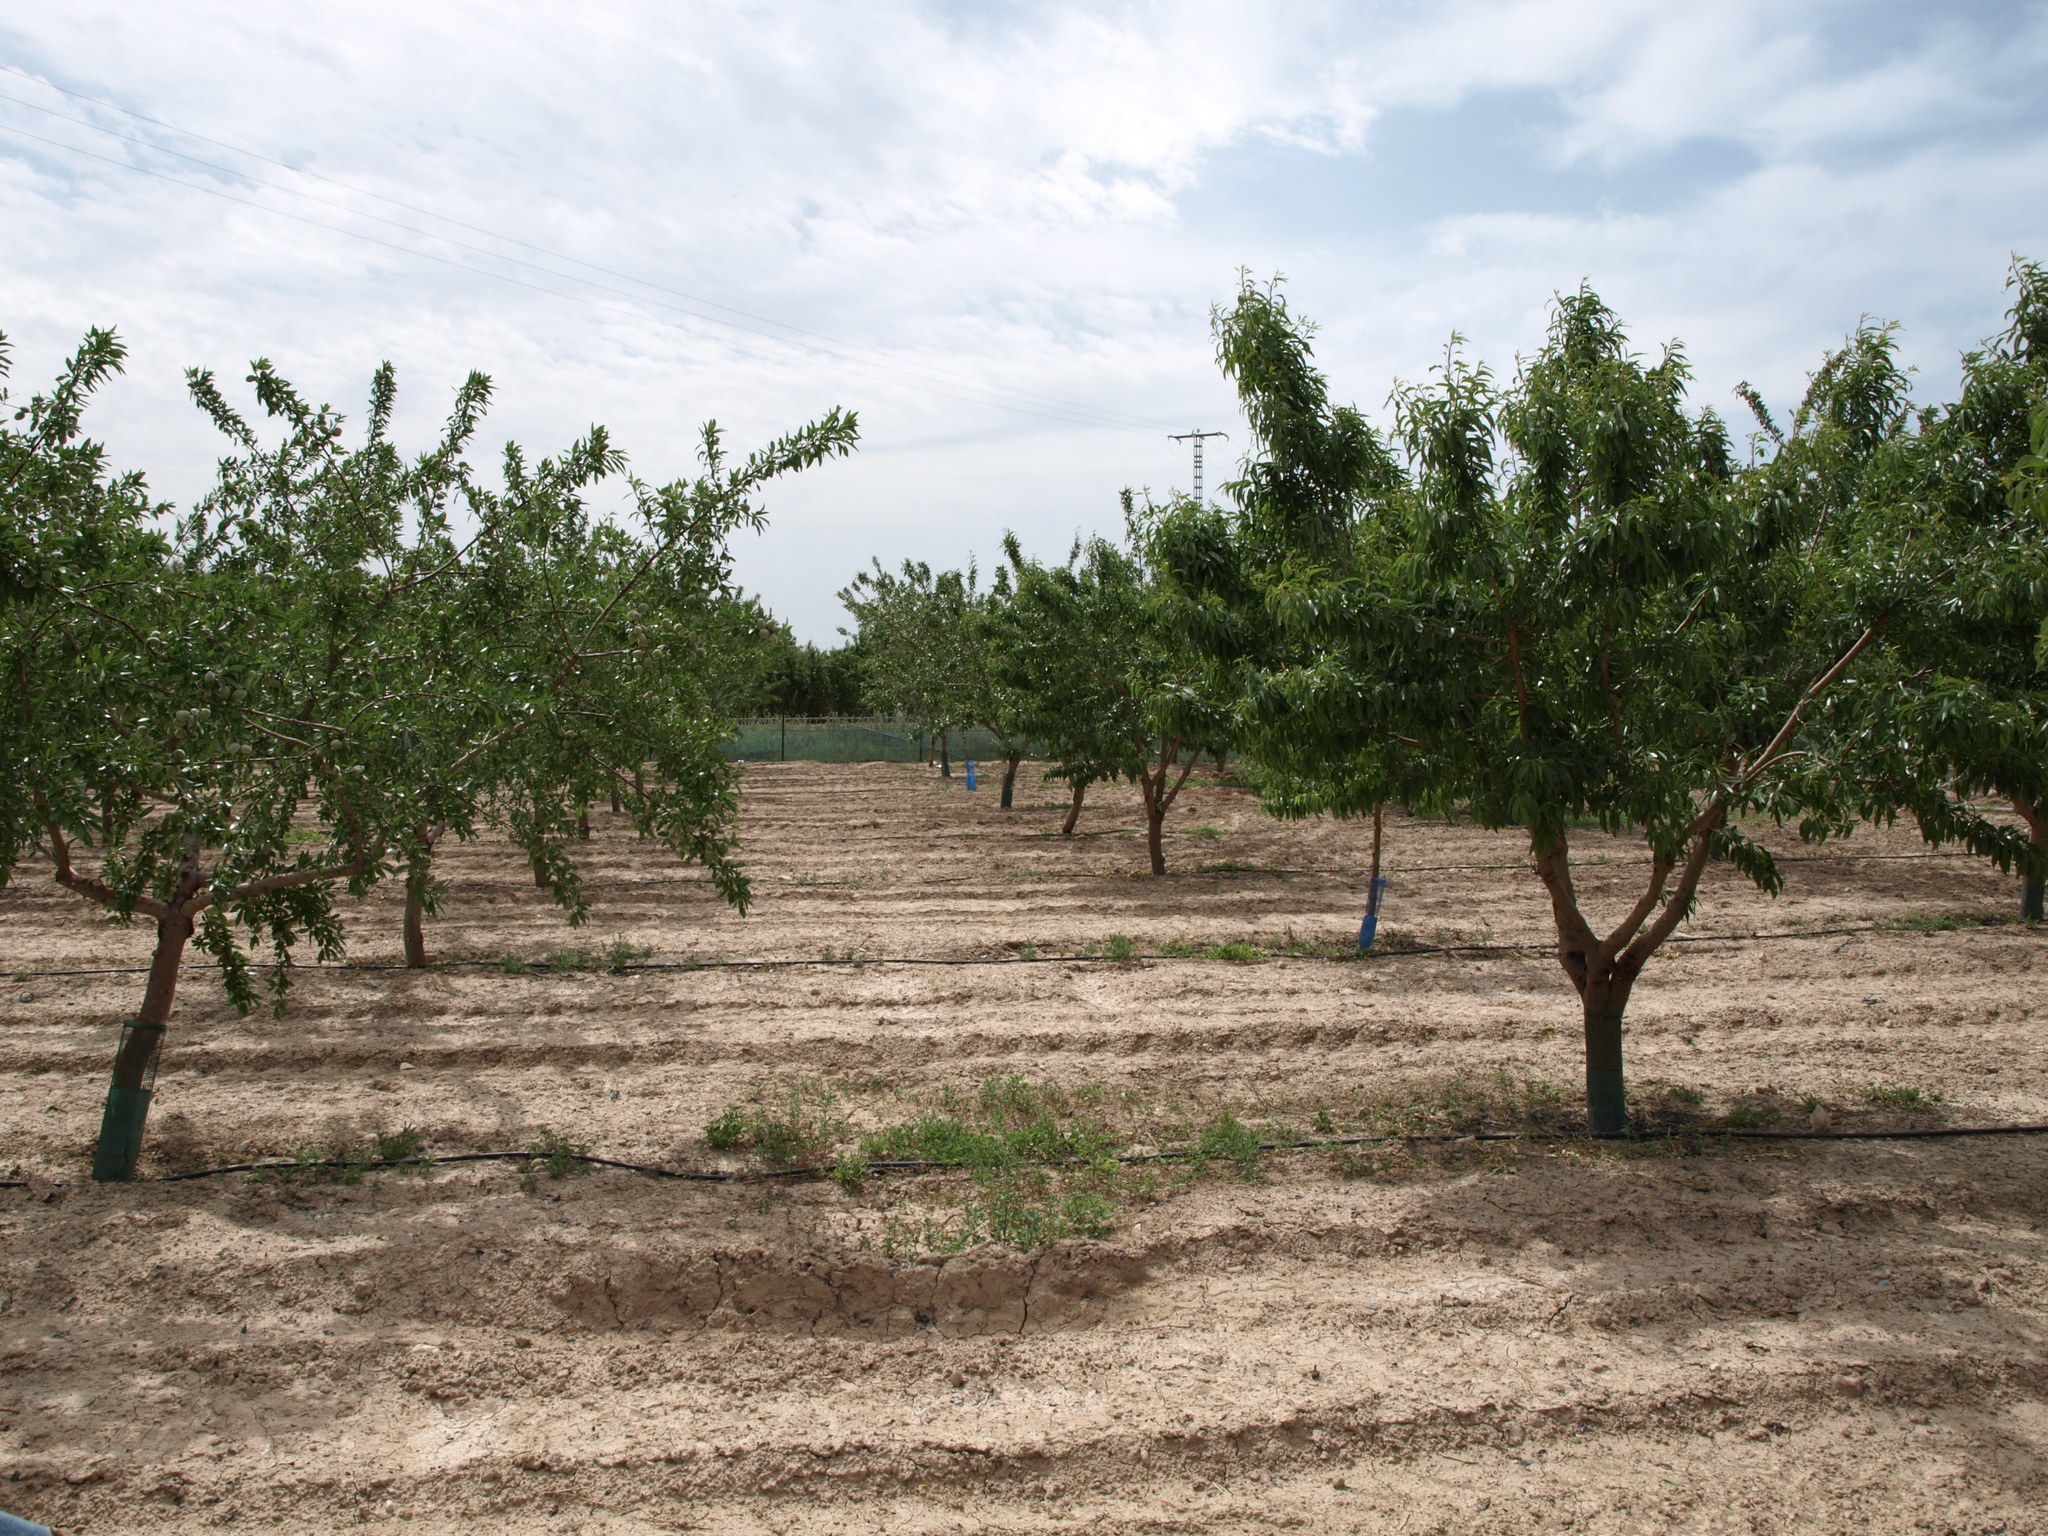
point(315, 643)
point(1102, 678)
point(1568, 610)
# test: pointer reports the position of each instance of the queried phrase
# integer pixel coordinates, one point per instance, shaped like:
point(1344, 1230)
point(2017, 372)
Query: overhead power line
point(876, 364)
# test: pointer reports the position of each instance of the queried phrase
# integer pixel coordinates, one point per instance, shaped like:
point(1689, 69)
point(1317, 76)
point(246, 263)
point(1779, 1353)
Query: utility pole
point(1196, 439)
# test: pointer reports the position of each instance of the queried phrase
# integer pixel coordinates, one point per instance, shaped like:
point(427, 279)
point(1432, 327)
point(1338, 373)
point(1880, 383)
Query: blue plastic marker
point(14, 1525)
point(970, 773)
point(1370, 928)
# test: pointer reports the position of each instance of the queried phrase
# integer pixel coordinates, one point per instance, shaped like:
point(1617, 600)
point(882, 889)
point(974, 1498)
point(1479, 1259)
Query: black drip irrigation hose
point(799, 882)
point(545, 968)
point(1178, 1154)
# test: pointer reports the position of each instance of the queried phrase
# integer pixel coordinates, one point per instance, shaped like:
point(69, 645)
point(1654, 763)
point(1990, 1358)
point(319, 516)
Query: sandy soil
point(1766, 1337)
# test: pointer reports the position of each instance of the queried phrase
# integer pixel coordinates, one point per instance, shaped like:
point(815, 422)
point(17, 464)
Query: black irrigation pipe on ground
point(545, 968)
point(803, 882)
point(1177, 1154)
point(883, 883)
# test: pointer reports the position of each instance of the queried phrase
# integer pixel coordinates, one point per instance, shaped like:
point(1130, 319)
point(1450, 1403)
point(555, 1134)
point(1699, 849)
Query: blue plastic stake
point(1370, 928)
point(970, 773)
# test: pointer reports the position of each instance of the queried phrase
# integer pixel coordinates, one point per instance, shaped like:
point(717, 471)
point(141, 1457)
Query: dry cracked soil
point(1684, 1333)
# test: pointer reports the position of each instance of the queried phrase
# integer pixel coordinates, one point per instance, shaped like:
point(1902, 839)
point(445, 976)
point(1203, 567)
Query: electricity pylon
point(1196, 439)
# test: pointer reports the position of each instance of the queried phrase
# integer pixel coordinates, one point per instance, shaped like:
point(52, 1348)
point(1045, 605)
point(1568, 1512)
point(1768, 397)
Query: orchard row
point(1559, 598)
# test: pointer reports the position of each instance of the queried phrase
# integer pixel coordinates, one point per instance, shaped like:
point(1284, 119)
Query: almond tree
point(179, 707)
point(1316, 490)
point(1103, 680)
point(1959, 705)
point(1572, 611)
point(594, 661)
point(911, 626)
point(925, 638)
point(181, 714)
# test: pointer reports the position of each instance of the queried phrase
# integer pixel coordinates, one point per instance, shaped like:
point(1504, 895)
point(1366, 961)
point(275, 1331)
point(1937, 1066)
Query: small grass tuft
point(799, 1128)
point(1464, 1104)
point(1892, 1096)
point(1228, 1139)
point(1926, 922)
point(621, 953)
point(313, 1165)
point(1118, 947)
point(557, 1155)
point(1753, 1112)
point(404, 1145)
point(512, 965)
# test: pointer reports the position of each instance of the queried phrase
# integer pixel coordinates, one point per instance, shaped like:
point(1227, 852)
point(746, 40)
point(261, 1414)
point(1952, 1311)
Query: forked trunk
point(1160, 795)
point(1010, 781)
point(1074, 810)
point(1155, 826)
point(135, 1058)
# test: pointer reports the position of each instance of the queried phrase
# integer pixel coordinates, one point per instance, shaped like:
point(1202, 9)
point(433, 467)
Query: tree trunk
point(946, 754)
point(1074, 810)
point(2032, 891)
point(618, 805)
point(135, 1059)
point(1159, 797)
point(1155, 820)
point(415, 903)
point(1375, 887)
point(583, 823)
point(415, 935)
point(1606, 1094)
point(1010, 781)
point(1603, 971)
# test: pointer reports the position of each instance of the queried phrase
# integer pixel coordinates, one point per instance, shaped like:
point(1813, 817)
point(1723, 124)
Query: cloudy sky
point(993, 229)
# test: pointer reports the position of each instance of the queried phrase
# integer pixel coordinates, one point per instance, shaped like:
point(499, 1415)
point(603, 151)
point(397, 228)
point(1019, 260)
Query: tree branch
point(286, 882)
point(1681, 895)
point(1575, 936)
point(1615, 942)
point(85, 885)
point(1814, 690)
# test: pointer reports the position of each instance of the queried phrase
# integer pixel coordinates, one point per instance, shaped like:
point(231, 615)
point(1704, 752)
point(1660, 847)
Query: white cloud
point(986, 195)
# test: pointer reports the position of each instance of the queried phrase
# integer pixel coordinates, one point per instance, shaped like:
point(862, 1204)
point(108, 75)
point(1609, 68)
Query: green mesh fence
point(849, 739)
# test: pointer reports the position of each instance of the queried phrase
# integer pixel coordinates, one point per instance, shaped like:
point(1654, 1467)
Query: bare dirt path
point(1472, 1338)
